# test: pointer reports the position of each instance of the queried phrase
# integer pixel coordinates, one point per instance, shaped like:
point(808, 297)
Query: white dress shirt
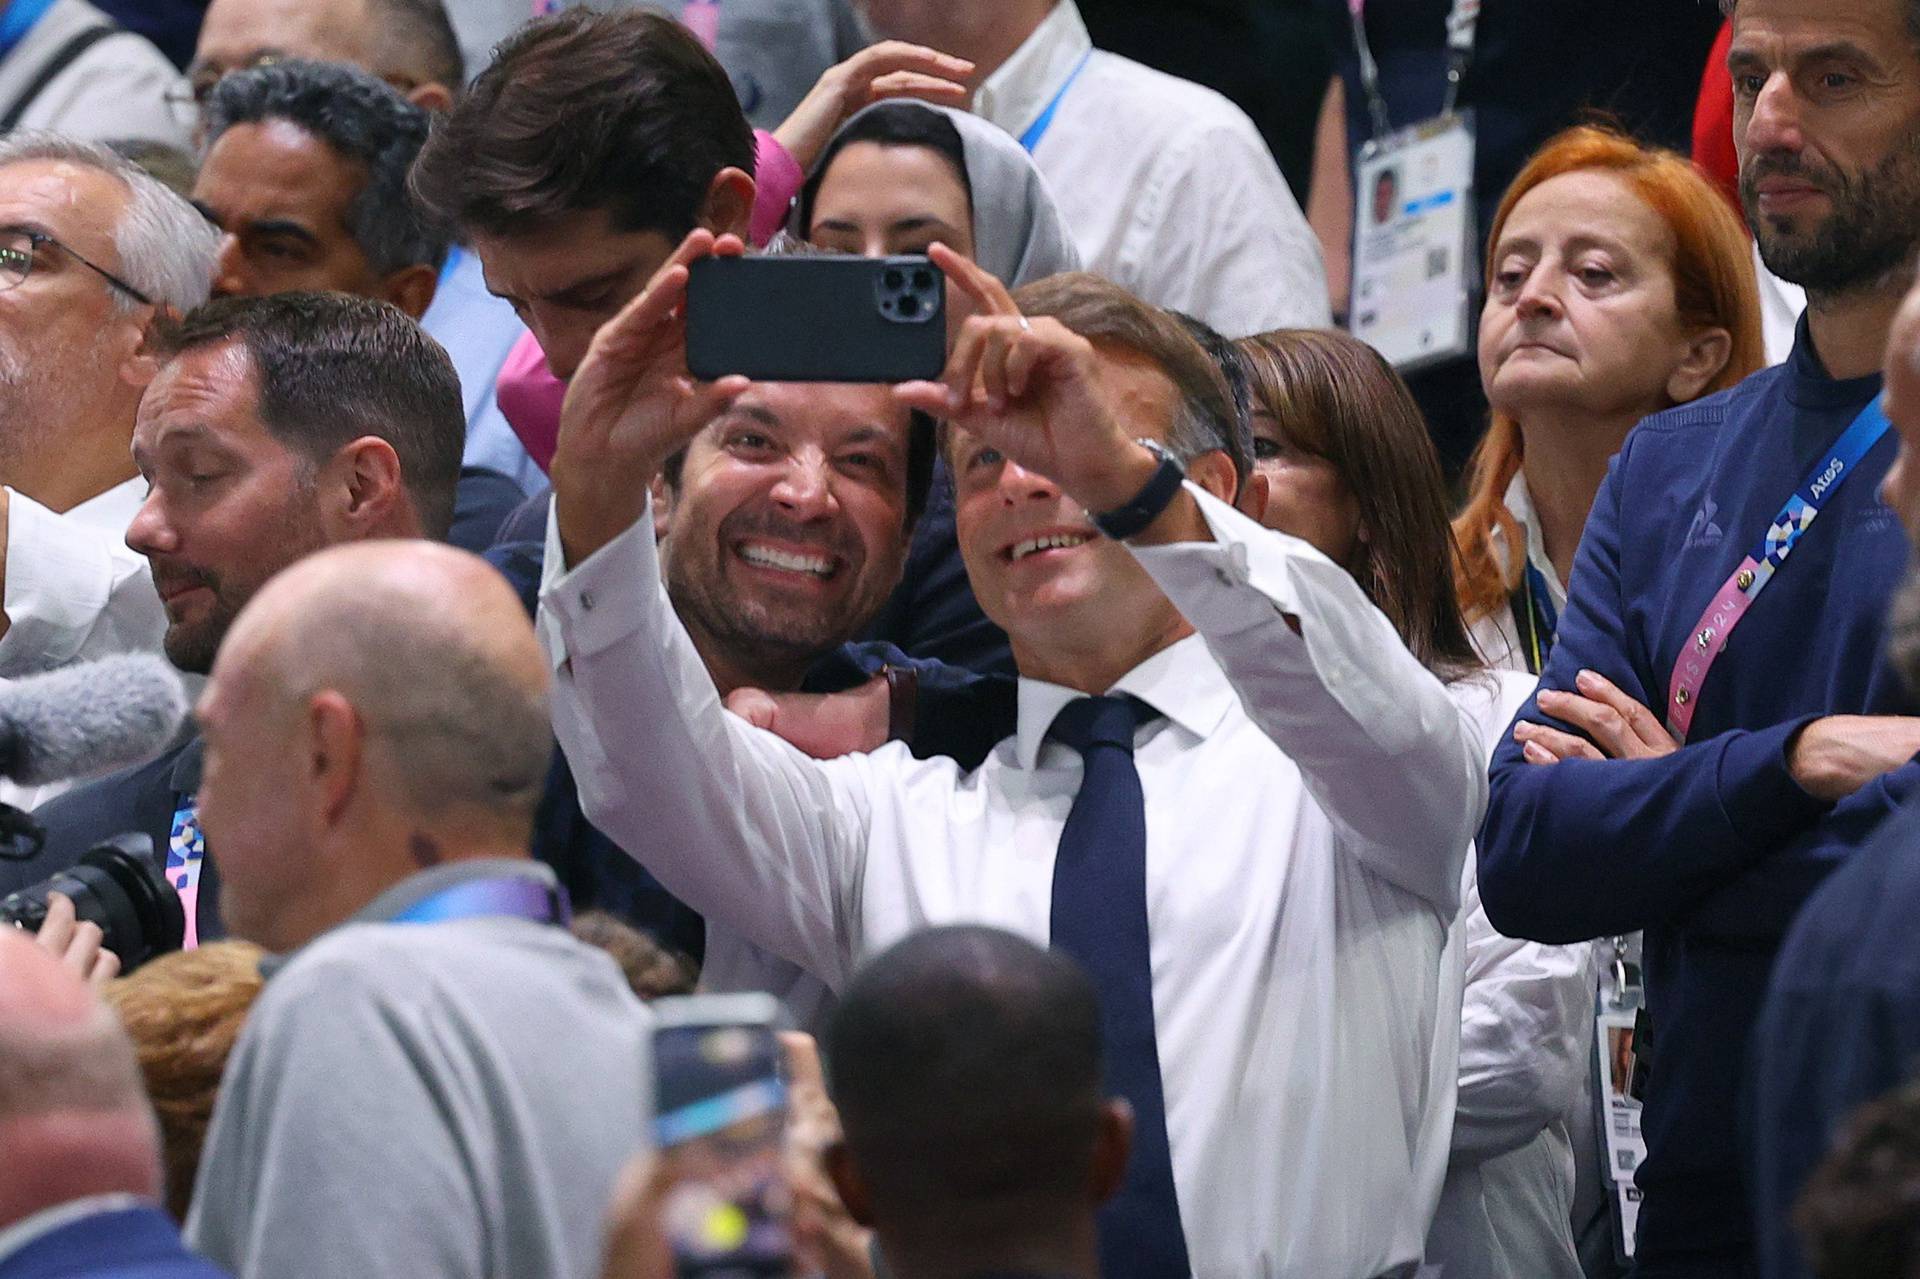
point(1167, 185)
point(1526, 1033)
point(1497, 636)
point(1310, 798)
point(75, 589)
point(75, 592)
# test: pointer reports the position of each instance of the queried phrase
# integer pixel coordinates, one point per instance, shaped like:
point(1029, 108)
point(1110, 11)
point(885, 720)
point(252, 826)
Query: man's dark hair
point(419, 33)
point(361, 118)
point(1859, 1214)
point(966, 1066)
point(891, 124)
point(623, 111)
point(333, 368)
point(1107, 315)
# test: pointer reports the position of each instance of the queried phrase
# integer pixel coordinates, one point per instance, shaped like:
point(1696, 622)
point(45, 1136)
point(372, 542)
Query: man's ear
point(662, 508)
point(431, 97)
point(370, 486)
point(1213, 471)
point(411, 288)
point(728, 207)
point(851, 1186)
point(335, 736)
point(1707, 353)
point(141, 365)
point(1112, 1144)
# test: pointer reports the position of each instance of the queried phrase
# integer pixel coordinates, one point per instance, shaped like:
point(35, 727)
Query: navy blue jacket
point(132, 1243)
point(1711, 850)
point(1841, 1025)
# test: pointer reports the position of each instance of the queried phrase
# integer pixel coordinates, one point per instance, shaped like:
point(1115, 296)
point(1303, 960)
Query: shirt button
point(586, 601)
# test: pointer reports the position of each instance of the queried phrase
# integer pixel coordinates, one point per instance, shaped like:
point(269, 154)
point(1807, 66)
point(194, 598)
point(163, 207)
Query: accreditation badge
point(1618, 1024)
point(1415, 260)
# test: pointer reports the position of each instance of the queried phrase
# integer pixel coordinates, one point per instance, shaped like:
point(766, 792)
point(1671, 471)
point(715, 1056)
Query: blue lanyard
point(20, 18)
point(1038, 129)
point(1821, 484)
point(502, 895)
point(1534, 609)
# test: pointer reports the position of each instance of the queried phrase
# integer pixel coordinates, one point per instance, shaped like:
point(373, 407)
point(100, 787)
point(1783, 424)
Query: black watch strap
point(1149, 502)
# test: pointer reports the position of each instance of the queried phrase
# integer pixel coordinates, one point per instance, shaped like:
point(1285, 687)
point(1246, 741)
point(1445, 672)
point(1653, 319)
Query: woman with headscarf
point(896, 178)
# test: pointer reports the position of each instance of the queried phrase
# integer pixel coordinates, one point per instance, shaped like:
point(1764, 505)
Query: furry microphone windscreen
point(89, 718)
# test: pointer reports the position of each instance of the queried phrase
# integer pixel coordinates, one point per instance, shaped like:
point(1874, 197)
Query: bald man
point(1841, 1024)
point(438, 1080)
point(80, 1176)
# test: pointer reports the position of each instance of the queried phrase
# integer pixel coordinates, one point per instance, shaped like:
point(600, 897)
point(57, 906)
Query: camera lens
point(119, 886)
point(909, 306)
point(893, 279)
point(923, 280)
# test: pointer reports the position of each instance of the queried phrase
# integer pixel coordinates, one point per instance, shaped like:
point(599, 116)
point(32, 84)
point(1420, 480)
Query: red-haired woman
point(1619, 283)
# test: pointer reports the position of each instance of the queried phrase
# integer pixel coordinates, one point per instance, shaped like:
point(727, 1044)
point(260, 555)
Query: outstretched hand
point(631, 405)
point(1030, 389)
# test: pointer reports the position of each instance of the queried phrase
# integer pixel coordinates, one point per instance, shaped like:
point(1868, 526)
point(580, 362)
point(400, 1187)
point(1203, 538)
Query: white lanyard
point(1463, 28)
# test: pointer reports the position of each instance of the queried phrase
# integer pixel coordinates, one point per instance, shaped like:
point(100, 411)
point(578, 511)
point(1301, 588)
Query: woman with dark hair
point(1347, 465)
point(897, 178)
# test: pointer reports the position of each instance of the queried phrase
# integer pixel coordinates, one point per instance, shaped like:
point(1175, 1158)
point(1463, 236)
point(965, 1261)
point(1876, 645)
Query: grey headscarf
point(1018, 233)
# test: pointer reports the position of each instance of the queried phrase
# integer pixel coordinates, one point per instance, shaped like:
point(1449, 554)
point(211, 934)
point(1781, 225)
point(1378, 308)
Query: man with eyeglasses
point(90, 249)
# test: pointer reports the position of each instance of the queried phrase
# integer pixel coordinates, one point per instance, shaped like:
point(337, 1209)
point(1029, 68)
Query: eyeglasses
point(19, 247)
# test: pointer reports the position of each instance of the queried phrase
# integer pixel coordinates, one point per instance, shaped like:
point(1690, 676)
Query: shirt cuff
point(1242, 554)
point(601, 601)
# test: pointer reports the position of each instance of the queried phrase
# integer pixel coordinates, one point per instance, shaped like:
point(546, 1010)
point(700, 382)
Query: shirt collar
point(27, 1230)
point(1020, 88)
point(1181, 681)
point(1519, 504)
point(114, 509)
point(414, 889)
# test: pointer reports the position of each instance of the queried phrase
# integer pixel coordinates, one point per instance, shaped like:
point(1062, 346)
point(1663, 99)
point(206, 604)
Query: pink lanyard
point(1737, 594)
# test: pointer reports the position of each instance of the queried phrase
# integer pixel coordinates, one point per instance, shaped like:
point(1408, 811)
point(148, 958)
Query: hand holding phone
point(816, 319)
point(720, 1120)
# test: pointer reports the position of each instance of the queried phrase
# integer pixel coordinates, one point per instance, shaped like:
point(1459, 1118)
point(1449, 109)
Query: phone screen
point(722, 1108)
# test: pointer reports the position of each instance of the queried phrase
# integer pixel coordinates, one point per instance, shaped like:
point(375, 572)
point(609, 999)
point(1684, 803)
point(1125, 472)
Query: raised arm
point(733, 821)
point(1382, 746)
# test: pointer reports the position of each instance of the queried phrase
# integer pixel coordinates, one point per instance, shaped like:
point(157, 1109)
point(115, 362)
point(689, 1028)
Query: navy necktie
point(1100, 918)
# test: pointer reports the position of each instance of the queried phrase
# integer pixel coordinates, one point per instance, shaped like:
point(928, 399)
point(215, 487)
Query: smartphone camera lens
point(909, 306)
point(923, 280)
point(894, 279)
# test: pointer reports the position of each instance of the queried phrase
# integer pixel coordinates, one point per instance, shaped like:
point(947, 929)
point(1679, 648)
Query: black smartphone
point(720, 1102)
point(817, 319)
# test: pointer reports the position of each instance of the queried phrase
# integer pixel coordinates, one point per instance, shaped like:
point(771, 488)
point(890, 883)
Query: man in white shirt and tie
point(1168, 186)
point(1260, 860)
